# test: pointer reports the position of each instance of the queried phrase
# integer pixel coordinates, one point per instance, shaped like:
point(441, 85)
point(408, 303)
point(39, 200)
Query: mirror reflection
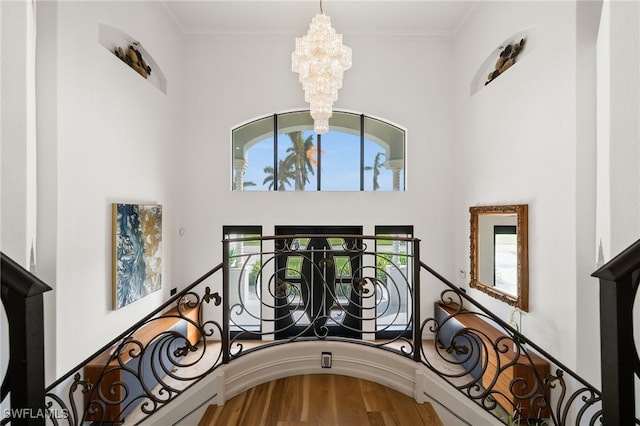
point(498, 260)
point(499, 264)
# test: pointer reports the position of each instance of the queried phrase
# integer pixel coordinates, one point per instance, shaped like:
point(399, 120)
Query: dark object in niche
point(506, 60)
point(134, 59)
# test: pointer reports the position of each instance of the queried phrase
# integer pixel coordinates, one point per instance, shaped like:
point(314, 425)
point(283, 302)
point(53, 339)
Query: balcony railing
point(365, 290)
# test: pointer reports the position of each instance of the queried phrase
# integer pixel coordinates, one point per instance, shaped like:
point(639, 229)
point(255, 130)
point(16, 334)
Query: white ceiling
point(292, 17)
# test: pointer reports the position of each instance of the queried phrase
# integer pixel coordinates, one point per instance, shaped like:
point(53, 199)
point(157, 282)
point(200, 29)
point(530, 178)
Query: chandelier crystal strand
point(321, 59)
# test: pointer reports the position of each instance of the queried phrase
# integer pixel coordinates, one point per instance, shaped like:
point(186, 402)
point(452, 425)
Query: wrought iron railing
point(493, 364)
point(337, 287)
point(357, 289)
point(147, 366)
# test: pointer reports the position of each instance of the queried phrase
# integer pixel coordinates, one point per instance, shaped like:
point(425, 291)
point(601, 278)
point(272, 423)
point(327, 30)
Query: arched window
point(281, 152)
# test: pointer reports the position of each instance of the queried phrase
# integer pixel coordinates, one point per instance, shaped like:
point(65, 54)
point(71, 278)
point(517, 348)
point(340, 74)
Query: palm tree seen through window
point(344, 159)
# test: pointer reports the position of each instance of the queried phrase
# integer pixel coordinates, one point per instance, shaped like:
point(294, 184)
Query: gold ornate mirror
point(499, 253)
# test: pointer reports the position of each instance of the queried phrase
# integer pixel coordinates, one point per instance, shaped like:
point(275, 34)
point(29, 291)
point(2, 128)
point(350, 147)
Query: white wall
point(516, 143)
point(229, 80)
point(47, 129)
point(117, 139)
point(587, 290)
point(618, 149)
point(18, 228)
point(18, 141)
point(618, 59)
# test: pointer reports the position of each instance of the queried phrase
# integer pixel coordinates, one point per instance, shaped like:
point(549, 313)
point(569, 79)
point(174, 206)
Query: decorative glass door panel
point(317, 285)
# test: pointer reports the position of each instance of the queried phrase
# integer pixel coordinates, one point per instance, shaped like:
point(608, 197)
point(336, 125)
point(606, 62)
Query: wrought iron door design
point(318, 285)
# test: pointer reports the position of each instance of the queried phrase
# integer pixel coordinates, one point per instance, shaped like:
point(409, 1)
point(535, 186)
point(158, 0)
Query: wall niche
point(132, 54)
point(501, 59)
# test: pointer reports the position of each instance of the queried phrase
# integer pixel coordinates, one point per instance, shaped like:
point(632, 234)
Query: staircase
point(226, 337)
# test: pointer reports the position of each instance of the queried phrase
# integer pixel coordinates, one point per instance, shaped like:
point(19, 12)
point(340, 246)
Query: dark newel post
point(417, 336)
point(617, 280)
point(22, 299)
point(616, 343)
point(225, 302)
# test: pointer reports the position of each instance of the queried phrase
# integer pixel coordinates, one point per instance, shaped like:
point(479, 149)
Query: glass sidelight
point(245, 263)
point(394, 266)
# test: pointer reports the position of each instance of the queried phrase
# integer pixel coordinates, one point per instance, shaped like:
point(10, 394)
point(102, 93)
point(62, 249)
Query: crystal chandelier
point(321, 59)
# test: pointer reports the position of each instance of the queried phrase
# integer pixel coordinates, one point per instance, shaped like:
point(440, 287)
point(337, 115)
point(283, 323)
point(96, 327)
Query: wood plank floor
point(319, 400)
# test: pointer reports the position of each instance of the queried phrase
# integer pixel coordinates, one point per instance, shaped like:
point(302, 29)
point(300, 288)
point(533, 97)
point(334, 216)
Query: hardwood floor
point(319, 400)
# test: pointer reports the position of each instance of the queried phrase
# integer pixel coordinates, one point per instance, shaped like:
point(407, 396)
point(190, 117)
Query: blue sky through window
point(340, 163)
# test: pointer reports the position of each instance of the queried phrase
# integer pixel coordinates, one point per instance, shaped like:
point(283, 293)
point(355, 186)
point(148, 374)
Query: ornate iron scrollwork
point(321, 291)
point(490, 362)
point(305, 292)
point(144, 370)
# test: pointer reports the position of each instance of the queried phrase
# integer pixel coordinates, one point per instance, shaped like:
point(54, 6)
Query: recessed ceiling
point(426, 17)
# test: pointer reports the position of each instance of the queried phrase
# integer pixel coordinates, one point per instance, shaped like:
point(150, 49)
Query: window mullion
point(319, 168)
point(275, 152)
point(361, 152)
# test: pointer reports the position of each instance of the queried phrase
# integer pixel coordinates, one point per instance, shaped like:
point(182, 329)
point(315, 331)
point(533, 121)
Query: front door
point(317, 282)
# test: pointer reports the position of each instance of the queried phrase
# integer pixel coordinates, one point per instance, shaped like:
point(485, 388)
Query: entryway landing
point(321, 399)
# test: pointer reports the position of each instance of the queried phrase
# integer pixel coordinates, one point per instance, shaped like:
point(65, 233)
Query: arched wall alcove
point(112, 37)
point(481, 77)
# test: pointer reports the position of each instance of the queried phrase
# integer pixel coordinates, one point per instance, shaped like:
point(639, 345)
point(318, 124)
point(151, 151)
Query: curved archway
point(321, 399)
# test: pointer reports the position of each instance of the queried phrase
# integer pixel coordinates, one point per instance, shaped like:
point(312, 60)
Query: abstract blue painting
point(137, 252)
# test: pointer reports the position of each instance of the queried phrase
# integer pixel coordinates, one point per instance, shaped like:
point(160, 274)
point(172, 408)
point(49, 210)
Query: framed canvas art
point(137, 252)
